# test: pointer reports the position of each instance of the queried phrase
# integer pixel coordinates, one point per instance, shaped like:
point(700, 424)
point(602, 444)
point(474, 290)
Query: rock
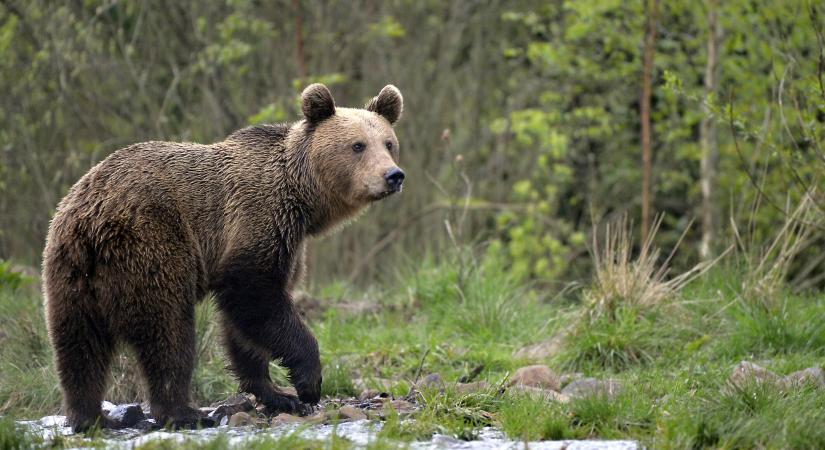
point(469, 388)
point(540, 351)
point(431, 381)
point(588, 387)
point(351, 413)
point(567, 378)
point(147, 425)
point(233, 405)
point(241, 419)
point(126, 416)
point(317, 418)
point(536, 376)
point(547, 395)
point(107, 406)
point(207, 410)
point(812, 376)
point(284, 418)
point(52, 421)
point(746, 373)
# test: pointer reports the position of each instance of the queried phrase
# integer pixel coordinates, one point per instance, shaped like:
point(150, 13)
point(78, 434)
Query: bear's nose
point(394, 177)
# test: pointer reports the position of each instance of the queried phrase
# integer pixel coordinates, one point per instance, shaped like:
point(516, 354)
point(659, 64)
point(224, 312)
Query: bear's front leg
point(267, 321)
point(250, 364)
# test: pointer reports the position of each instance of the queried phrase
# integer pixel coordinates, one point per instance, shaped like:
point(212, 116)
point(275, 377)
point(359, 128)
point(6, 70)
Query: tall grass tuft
point(767, 268)
point(622, 280)
point(630, 292)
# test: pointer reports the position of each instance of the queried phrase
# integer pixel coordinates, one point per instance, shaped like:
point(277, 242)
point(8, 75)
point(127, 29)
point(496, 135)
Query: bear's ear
point(317, 103)
point(388, 103)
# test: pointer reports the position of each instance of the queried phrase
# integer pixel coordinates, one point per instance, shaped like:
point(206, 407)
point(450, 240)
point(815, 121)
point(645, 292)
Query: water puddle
point(360, 433)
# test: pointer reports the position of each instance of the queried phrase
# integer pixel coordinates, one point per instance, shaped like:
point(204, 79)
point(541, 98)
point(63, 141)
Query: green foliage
point(10, 278)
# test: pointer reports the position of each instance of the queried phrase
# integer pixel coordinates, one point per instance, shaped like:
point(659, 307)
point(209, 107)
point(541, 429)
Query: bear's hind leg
point(165, 347)
point(83, 353)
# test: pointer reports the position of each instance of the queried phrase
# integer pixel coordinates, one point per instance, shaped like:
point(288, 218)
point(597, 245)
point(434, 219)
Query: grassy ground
point(458, 318)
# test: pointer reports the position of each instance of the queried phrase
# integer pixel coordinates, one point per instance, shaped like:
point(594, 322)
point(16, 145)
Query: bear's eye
point(388, 144)
point(358, 147)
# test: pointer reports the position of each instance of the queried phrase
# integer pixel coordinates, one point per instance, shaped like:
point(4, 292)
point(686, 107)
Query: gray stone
point(536, 376)
point(746, 373)
point(589, 387)
point(812, 376)
point(127, 416)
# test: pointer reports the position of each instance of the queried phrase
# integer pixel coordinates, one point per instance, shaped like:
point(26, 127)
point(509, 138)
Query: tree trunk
point(651, 10)
point(299, 41)
point(707, 135)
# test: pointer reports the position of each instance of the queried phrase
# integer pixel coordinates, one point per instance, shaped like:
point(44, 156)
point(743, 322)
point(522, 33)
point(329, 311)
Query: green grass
point(673, 357)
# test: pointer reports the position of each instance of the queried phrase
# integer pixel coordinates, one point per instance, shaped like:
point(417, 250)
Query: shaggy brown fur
point(148, 232)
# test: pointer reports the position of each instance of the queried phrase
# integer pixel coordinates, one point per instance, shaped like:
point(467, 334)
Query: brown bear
point(153, 228)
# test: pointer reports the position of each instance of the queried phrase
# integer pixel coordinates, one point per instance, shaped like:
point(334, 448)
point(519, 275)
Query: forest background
point(526, 122)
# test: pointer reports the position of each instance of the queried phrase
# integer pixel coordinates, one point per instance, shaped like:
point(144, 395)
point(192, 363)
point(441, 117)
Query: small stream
point(360, 433)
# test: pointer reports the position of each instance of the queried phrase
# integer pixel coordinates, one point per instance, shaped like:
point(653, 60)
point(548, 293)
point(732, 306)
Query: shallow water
point(360, 433)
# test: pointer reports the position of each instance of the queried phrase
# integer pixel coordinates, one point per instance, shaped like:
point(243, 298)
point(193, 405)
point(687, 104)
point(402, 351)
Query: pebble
point(747, 372)
point(241, 419)
point(284, 418)
point(352, 413)
point(812, 376)
point(536, 376)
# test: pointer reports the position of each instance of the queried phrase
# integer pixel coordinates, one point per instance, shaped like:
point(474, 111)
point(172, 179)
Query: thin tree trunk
point(707, 133)
point(299, 40)
point(651, 7)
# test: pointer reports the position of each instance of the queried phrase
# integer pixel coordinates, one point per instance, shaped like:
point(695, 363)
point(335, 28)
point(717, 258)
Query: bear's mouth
point(384, 194)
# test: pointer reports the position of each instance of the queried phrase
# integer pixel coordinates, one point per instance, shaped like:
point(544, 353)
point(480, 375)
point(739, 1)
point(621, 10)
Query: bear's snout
point(394, 178)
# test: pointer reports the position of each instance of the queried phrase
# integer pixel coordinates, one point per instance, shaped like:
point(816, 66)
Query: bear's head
point(352, 153)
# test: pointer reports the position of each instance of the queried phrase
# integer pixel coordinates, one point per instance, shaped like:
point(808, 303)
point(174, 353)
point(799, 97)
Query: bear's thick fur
point(153, 228)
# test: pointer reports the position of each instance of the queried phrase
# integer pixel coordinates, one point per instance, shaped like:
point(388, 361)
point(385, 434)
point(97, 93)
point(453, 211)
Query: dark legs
point(262, 325)
point(164, 341)
point(250, 363)
point(83, 352)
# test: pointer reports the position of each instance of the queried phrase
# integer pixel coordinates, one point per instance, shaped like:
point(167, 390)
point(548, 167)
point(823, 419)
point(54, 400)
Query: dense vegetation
point(527, 111)
point(673, 350)
point(524, 143)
